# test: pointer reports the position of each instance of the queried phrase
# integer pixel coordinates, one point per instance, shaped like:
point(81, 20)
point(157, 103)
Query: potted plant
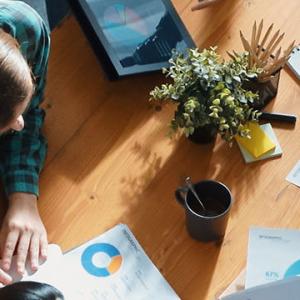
point(209, 95)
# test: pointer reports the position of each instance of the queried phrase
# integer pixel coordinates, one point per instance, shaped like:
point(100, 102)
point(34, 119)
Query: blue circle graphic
point(293, 270)
point(89, 252)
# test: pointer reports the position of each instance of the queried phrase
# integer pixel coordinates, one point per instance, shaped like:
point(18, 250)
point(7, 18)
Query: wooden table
point(110, 161)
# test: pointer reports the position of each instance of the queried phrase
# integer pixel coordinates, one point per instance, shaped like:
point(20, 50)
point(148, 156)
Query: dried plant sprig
point(260, 27)
point(253, 59)
point(262, 44)
point(261, 50)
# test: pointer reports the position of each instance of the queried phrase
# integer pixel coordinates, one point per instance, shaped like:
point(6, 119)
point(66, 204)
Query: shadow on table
point(158, 221)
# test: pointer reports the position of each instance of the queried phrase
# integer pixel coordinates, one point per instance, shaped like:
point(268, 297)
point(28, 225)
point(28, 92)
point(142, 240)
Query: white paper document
point(273, 254)
point(112, 266)
point(287, 289)
point(294, 175)
point(47, 271)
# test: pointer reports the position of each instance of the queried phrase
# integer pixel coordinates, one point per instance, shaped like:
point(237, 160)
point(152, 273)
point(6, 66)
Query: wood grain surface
point(111, 162)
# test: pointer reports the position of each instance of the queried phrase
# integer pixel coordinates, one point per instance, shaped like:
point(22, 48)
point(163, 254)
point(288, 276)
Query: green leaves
point(208, 90)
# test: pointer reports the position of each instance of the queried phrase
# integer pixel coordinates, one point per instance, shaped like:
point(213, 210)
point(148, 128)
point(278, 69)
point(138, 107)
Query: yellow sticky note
point(259, 143)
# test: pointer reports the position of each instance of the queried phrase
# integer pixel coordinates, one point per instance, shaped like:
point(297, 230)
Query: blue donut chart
point(108, 249)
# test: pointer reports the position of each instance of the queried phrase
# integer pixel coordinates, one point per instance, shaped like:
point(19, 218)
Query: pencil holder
point(267, 90)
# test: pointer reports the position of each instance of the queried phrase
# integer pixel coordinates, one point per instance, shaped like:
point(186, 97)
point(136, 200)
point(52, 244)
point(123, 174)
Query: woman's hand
point(204, 3)
point(22, 233)
point(4, 278)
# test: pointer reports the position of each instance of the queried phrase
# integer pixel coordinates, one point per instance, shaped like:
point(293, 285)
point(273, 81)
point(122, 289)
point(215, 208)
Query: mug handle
point(180, 194)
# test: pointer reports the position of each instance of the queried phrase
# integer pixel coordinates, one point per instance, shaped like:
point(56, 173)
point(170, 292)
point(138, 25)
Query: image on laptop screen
point(138, 36)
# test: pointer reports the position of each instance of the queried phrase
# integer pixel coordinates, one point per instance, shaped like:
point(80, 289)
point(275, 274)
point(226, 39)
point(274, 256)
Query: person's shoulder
point(26, 26)
point(20, 15)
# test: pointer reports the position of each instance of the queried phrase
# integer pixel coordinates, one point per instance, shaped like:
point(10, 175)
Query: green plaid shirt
point(22, 154)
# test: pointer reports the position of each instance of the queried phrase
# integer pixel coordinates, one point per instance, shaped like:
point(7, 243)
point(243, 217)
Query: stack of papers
point(262, 145)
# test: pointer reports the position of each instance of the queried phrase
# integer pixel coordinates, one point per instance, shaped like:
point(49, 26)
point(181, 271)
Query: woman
point(24, 51)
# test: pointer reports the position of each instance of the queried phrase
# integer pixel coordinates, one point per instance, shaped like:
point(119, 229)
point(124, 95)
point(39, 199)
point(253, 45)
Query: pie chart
point(101, 259)
point(121, 22)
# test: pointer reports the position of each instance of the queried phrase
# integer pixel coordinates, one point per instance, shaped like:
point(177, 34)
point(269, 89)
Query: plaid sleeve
point(23, 153)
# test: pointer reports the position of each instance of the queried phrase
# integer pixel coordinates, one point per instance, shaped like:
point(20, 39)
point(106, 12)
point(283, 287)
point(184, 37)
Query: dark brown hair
point(16, 82)
point(29, 290)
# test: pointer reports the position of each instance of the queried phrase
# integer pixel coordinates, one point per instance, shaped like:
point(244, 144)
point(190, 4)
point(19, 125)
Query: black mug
point(209, 224)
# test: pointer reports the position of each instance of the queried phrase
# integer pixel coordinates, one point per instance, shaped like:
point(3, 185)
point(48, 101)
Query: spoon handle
point(191, 187)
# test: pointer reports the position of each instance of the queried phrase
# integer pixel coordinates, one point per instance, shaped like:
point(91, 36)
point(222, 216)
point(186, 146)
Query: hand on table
point(204, 3)
point(23, 234)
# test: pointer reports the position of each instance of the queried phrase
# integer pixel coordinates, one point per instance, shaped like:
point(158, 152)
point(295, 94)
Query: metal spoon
point(190, 185)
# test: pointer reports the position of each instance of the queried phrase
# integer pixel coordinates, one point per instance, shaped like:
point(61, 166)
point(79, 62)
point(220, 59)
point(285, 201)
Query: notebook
point(260, 142)
point(275, 152)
